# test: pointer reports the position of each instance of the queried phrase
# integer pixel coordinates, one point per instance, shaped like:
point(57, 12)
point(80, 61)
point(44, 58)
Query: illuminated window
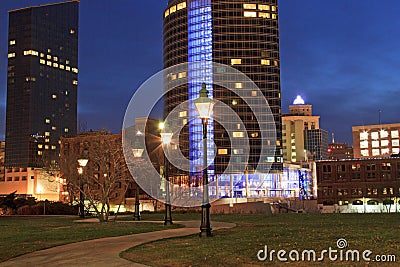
point(67, 61)
point(375, 135)
point(71, 31)
point(273, 16)
point(273, 8)
point(61, 66)
point(47, 121)
point(234, 102)
point(236, 61)
point(172, 9)
point(222, 151)
point(254, 134)
point(263, 7)
point(184, 121)
point(173, 76)
point(40, 153)
point(182, 75)
point(383, 133)
point(166, 13)
point(55, 65)
point(375, 152)
point(238, 151)
point(264, 15)
point(238, 85)
point(66, 130)
point(53, 128)
point(53, 147)
point(11, 55)
point(276, 63)
point(27, 52)
point(395, 150)
point(75, 82)
point(12, 42)
point(384, 142)
point(395, 134)
point(48, 56)
point(68, 68)
point(250, 14)
point(238, 126)
point(55, 58)
point(365, 153)
point(48, 63)
point(41, 55)
point(46, 133)
point(48, 50)
point(253, 93)
point(278, 143)
point(249, 6)
point(265, 62)
point(375, 143)
point(385, 151)
point(395, 142)
point(40, 146)
point(238, 134)
point(46, 147)
point(181, 6)
point(364, 144)
point(75, 70)
point(182, 114)
point(364, 136)
point(47, 140)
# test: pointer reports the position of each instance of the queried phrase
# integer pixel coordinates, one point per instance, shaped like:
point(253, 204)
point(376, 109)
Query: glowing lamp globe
point(166, 138)
point(298, 101)
point(204, 104)
point(82, 162)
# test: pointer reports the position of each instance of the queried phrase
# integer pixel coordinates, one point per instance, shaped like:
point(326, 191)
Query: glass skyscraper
point(42, 82)
point(243, 35)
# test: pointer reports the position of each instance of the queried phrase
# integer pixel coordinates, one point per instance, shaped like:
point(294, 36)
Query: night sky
point(341, 56)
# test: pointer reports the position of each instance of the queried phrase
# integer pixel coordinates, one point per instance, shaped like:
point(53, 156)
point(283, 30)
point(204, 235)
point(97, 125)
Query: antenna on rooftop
point(379, 111)
point(333, 138)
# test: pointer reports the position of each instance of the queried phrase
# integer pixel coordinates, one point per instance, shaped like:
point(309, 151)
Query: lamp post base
point(205, 227)
point(168, 216)
point(136, 215)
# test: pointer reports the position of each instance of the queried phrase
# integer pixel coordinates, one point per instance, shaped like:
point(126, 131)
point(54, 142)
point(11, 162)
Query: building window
point(265, 62)
point(48, 63)
point(254, 135)
point(53, 147)
point(238, 85)
point(182, 114)
point(263, 7)
point(47, 121)
point(75, 82)
point(55, 65)
point(375, 152)
point(383, 133)
point(12, 42)
point(264, 15)
point(365, 153)
point(364, 144)
point(395, 134)
point(395, 142)
point(253, 93)
point(71, 31)
point(11, 55)
point(46, 133)
point(182, 75)
point(53, 128)
point(364, 136)
point(234, 102)
point(166, 14)
point(384, 151)
point(236, 61)
point(42, 61)
point(375, 135)
point(172, 9)
point(40, 153)
point(75, 70)
point(250, 14)
point(223, 151)
point(173, 77)
point(274, 16)
point(238, 134)
point(40, 146)
point(54, 96)
point(375, 143)
point(384, 142)
point(249, 6)
point(273, 8)
point(181, 6)
point(66, 130)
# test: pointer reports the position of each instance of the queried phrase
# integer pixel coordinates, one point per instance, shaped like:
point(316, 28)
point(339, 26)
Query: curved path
point(103, 251)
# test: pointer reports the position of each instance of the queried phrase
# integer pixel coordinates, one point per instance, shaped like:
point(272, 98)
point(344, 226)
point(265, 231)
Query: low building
point(359, 185)
point(379, 140)
point(340, 151)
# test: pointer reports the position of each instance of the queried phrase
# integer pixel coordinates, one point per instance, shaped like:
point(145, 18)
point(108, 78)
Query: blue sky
point(341, 56)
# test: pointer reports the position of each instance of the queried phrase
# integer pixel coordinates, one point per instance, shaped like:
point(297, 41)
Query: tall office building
point(238, 33)
point(42, 82)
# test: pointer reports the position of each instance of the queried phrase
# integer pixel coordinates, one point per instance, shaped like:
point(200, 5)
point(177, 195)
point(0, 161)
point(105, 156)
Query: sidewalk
point(103, 251)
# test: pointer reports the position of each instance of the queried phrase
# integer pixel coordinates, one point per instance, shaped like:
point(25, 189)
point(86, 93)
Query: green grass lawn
point(20, 235)
point(238, 246)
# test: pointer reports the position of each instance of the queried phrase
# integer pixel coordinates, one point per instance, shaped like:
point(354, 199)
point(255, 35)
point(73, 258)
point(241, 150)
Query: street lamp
point(137, 153)
point(204, 106)
point(166, 140)
point(82, 161)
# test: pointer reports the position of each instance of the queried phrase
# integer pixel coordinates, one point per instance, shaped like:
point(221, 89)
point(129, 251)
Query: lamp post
point(137, 153)
point(82, 161)
point(204, 106)
point(166, 140)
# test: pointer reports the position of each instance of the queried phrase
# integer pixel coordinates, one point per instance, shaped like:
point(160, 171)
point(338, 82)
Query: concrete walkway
point(103, 251)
